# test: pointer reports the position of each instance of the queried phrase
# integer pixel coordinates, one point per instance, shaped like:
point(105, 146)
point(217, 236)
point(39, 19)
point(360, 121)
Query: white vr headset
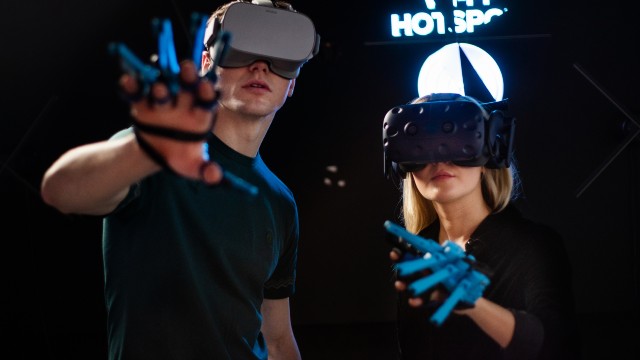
point(283, 38)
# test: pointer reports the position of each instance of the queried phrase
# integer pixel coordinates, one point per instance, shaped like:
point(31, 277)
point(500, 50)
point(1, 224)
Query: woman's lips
point(440, 175)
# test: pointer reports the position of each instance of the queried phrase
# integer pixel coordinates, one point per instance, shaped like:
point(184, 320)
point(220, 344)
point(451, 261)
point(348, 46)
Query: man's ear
point(205, 63)
point(292, 85)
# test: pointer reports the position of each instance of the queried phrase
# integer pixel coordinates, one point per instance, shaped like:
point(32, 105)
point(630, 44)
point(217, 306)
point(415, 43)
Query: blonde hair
point(498, 189)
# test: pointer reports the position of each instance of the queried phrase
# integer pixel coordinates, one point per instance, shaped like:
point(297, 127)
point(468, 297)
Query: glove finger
point(131, 89)
point(160, 95)
point(210, 173)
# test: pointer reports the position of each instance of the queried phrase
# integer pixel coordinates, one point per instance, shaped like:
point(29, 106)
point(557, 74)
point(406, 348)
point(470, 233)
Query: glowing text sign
point(467, 15)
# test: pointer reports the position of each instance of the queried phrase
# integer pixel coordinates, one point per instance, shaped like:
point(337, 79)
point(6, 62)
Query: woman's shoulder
point(513, 227)
point(530, 234)
point(514, 216)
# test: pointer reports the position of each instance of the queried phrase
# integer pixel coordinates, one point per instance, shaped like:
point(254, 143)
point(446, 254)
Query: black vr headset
point(259, 30)
point(446, 129)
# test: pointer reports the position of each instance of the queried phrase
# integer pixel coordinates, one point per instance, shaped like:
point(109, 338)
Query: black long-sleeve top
point(530, 276)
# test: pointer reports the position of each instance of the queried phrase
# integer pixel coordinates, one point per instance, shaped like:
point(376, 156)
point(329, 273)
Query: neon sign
point(466, 16)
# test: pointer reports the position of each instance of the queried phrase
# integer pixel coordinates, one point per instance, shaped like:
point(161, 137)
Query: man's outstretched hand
point(183, 120)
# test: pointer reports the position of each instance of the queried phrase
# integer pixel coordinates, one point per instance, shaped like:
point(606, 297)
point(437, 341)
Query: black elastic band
point(207, 105)
point(227, 177)
point(151, 152)
point(192, 87)
point(172, 133)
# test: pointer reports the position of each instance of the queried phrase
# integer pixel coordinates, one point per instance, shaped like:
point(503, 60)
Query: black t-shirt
point(187, 265)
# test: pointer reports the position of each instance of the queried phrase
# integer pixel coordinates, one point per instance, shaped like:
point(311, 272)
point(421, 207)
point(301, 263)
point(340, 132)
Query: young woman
point(526, 311)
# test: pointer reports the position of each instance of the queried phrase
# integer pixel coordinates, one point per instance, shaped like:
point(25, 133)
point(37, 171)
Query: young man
point(195, 268)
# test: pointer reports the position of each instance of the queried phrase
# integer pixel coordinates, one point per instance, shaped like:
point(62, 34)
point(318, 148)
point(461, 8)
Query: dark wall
point(569, 71)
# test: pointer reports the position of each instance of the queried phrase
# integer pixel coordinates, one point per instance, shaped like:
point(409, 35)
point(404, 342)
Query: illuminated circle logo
point(443, 71)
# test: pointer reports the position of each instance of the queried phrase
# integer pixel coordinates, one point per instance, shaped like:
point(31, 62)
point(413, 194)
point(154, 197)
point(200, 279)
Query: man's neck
point(243, 134)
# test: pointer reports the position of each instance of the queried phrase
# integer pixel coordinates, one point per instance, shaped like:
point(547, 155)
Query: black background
point(570, 72)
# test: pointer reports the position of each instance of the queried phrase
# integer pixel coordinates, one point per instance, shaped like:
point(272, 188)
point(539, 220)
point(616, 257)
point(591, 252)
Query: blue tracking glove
point(449, 266)
point(166, 67)
point(167, 70)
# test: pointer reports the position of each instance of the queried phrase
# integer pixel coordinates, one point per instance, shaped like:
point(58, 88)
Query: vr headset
point(446, 130)
point(283, 38)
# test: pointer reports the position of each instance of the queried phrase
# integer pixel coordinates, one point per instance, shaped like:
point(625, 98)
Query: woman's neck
point(459, 220)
